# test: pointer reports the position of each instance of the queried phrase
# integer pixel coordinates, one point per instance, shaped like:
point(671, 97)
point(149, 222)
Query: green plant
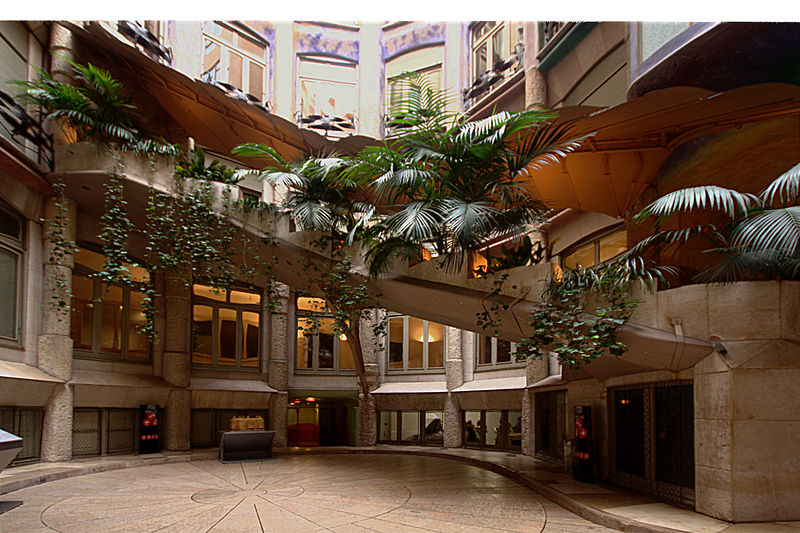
point(194, 166)
point(450, 184)
point(761, 240)
point(581, 311)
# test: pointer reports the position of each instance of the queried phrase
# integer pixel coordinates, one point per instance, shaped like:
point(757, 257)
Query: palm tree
point(448, 184)
point(761, 241)
point(96, 109)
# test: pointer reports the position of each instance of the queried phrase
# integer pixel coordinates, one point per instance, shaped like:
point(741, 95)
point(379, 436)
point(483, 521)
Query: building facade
point(699, 412)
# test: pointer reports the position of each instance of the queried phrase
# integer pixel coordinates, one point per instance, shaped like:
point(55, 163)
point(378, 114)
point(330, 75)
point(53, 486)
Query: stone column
point(54, 345)
point(278, 368)
point(456, 70)
point(454, 368)
point(367, 421)
point(535, 80)
point(535, 370)
point(175, 363)
point(371, 346)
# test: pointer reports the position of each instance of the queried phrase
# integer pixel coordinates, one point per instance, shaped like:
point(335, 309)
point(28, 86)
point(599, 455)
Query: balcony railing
point(491, 79)
point(550, 32)
point(144, 38)
point(25, 132)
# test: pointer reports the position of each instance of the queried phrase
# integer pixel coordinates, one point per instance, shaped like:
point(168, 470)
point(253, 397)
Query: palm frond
point(728, 201)
point(785, 187)
point(772, 229)
point(417, 221)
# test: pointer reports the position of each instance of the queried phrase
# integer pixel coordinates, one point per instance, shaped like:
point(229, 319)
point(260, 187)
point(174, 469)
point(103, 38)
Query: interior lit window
point(226, 328)
point(232, 57)
point(415, 344)
point(493, 351)
point(596, 250)
point(107, 321)
point(318, 346)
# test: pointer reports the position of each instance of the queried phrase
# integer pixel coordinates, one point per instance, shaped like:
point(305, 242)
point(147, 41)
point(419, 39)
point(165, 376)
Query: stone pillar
point(57, 425)
point(175, 361)
point(371, 73)
point(367, 421)
point(178, 416)
point(535, 80)
point(175, 364)
point(456, 70)
point(452, 422)
point(278, 409)
point(54, 345)
point(535, 370)
point(528, 425)
point(371, 346)
point(278, 368)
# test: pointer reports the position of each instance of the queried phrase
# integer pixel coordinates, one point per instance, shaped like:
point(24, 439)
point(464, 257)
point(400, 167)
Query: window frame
point(593, 239)
point(239, 309)
point(335, 60)
point(512, 361)
point(16, 247)
point(227, 48)
point(96, 351)
point(426, 368)
point(488, 38)
point(314, 339)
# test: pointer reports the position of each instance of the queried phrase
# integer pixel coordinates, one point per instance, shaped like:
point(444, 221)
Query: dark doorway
point(674, 435)
point(550, 419)
point(630, 431)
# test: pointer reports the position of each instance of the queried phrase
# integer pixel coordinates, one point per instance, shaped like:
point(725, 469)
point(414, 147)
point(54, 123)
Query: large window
point(226, 328)
point(327, 87)
point(411, 427)
point(492, 429)
point(12, 231)
point(492, 42)
point(492, 351)
point(231, 56)
point(596, 250)
point(25, 422)
point(426, 62)
point(107, 320)
point(319, 348)
point(414, 344)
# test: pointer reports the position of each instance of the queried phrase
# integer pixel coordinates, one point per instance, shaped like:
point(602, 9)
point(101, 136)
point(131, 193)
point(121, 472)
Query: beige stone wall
point(747, 411)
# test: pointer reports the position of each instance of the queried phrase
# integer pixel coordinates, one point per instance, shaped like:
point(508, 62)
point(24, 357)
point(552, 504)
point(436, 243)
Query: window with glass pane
point(8, 285)
point(226, 328)
point(11, 254)
point(409, 427)
point(491, 42)
point(387, 431)
point(433, 434)
point(107, 321)
point(494, 351)
point(415, 344)
point(235, 58)
point(328, 86)
point(318, 346)
point(596, 250)
point(472, 428)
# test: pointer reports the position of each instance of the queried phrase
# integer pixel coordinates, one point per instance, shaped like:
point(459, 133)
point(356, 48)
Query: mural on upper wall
point(397, 40)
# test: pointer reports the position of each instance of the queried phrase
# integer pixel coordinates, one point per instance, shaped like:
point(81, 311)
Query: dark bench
point(240, 446)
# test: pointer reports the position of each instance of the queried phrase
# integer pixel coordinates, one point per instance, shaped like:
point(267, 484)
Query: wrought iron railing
point(549, 30)
point(25, 131)
point(489, 80)
point(144, 38)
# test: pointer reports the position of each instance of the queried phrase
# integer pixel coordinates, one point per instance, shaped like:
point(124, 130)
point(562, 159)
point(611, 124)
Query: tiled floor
point(338, 493)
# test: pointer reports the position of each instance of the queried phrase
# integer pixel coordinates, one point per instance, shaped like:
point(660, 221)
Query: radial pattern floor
point(337, 493)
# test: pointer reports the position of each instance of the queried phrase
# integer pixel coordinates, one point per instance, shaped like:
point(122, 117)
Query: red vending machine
point(149, 429)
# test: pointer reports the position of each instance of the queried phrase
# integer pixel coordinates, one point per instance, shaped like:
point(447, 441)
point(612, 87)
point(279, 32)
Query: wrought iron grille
point(121, 431)
point(86, 432)
point(25, 131)
point(651, 439)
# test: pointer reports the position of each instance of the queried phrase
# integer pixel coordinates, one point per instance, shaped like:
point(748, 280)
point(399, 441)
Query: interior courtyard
point(154, 300)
